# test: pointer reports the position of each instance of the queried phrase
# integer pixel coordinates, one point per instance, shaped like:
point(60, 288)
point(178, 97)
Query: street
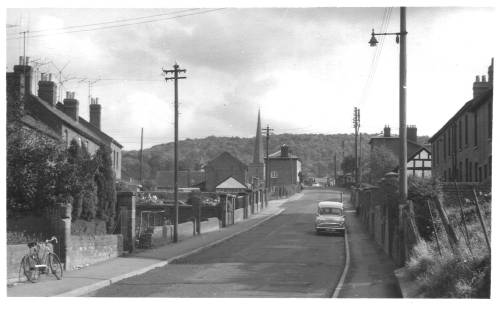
point(282, 257)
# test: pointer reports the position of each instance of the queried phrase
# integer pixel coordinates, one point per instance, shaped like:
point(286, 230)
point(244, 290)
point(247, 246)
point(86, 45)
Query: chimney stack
point(411, 133)
point(47, 89)
point(479, 87)
point(95, 113)
point(284, 150)
point(490, 72)
point(23, 73)
point(71, 106)
point(387, 131)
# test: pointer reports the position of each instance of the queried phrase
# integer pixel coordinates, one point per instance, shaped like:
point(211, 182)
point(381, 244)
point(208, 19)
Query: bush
point(420, 191)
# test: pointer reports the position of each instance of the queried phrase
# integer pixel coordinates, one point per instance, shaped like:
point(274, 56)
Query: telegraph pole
point(176, 77)
point(360, 153)
point(140, 159)
point(356, 131)
point(335, 169)
point(403, 151)
point(268, 181)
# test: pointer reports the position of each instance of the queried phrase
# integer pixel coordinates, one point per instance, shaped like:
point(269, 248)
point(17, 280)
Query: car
point(316, 185)
point(330, 217)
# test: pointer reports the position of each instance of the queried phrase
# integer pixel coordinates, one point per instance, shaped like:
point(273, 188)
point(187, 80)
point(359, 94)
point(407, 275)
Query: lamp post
point(403, 152)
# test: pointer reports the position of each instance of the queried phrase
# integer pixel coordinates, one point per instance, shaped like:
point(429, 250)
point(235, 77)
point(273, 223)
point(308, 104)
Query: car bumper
point(330, 228)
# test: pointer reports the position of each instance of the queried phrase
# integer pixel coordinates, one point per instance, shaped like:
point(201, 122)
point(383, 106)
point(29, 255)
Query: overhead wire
point(119, 25)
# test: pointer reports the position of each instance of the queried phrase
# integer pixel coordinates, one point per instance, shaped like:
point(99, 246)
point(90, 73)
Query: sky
point(304, 68)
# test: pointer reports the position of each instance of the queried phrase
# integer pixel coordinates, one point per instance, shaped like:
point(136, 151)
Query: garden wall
point(87, 249)
point(14, 254)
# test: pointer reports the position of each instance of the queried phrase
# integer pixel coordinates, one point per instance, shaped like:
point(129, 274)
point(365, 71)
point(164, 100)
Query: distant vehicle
point(330, 217)
point(316, 185)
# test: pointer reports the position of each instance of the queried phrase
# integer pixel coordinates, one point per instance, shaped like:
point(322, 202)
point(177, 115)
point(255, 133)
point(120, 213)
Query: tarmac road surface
point(283, 257)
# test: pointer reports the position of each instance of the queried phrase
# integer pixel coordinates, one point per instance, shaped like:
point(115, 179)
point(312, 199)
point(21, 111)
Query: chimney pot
point(21, 60)
point(477, 78)
point(27, 61)
point(483, 78)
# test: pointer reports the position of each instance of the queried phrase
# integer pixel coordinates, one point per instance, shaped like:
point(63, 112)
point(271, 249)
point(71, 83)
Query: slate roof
point(392, 143)
point(470, 105)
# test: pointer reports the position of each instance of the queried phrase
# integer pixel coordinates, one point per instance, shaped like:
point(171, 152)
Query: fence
point(395, 227)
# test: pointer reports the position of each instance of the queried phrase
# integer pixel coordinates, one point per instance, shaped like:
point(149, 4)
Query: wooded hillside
point(315, 150)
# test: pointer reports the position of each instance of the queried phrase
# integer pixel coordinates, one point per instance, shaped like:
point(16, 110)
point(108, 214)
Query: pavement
point(84, 281)
point(371, 270)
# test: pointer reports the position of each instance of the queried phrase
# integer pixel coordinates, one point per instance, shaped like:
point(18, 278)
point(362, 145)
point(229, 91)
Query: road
point(282, 257)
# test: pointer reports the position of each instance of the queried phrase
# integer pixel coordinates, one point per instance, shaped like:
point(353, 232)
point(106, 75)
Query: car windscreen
point(330, 211)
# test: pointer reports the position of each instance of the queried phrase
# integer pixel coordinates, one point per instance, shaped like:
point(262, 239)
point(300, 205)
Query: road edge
point(95, 286)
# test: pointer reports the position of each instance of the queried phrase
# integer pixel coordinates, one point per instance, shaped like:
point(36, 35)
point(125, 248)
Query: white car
point(330, 217)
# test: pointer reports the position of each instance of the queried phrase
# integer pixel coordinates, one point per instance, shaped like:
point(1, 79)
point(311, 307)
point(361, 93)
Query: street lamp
point(403, 152)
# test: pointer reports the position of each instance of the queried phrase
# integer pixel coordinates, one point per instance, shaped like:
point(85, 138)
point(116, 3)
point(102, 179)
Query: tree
point(106, 190)
point(348, 165)
point(382, 160)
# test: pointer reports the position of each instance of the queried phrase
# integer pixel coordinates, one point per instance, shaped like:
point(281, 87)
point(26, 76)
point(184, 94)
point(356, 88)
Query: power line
point(121, 25)
point(112, 22)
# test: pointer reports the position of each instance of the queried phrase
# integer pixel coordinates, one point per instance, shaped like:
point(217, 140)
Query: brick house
point(462, 147)
point(419, 156)
point(284, 168)
point(57, 120)
point(221, 168)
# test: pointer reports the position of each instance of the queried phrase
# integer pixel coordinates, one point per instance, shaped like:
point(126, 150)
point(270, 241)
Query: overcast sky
point(305, 68)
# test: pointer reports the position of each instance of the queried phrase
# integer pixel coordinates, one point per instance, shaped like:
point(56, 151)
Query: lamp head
point(373, 41)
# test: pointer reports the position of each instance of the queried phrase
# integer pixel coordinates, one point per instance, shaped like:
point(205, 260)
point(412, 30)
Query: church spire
point(258, 151)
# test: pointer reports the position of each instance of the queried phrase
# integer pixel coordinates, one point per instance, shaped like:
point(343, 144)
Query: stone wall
point(15, 253)
point(87, 249)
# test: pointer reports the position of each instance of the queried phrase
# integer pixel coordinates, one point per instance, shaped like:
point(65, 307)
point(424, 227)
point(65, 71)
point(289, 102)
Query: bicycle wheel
point(55, 266)
point(28, 267)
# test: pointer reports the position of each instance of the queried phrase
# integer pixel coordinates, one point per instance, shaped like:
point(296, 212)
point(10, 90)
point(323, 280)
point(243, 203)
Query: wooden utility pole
point(356, 131)
point(176, 77)
point(403, 151)
point(267, 130)
point(140, 159)
point(335, 169)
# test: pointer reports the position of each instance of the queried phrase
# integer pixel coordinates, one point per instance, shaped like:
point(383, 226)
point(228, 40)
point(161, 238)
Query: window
point(470, 171)
point(476, 172)
point(445, 176)
point(444, 146)
point(485, 167)
point(490, 119)
point(437, 153)
point(489, 162)
point(66, 137)
point(449, 143)
point(480, 175)
point(475, 128)
point(460, 172)
point(450, 176)
point(466, 130)
point(274, 174)
point(467, 170)
point(460, 134)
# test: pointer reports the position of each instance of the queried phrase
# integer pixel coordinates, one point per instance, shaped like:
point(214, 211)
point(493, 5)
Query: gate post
point(126, 205)
point(64, 231)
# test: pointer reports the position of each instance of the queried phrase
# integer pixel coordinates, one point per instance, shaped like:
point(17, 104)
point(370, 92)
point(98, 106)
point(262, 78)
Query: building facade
point(419, 159)
point(60, 121)
point(462, 147)
point(284, 168)
point(223, 167)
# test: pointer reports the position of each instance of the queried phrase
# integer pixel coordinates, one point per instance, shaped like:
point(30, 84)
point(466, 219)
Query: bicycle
point(41, 259)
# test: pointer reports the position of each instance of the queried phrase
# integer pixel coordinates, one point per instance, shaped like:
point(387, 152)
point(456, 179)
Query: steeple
point(258, 151)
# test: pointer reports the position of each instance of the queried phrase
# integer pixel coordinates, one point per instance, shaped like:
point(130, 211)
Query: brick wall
point(88, 250)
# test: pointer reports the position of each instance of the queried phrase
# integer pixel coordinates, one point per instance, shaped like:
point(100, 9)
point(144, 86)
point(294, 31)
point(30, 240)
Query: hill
point(315, 150)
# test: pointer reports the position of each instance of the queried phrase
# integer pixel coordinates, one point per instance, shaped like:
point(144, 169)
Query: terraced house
point(462, 147)
point(60, 121)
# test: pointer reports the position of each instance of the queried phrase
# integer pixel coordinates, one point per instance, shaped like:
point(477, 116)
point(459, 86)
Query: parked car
point(330, 217)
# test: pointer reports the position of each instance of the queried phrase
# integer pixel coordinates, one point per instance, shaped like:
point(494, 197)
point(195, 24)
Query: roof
point(410, 156)
point(331, 204)
point(224, 157)
point(470, 105)
point(277, 155)
point(39, 108)
point(231, 183)
point(392, 143)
